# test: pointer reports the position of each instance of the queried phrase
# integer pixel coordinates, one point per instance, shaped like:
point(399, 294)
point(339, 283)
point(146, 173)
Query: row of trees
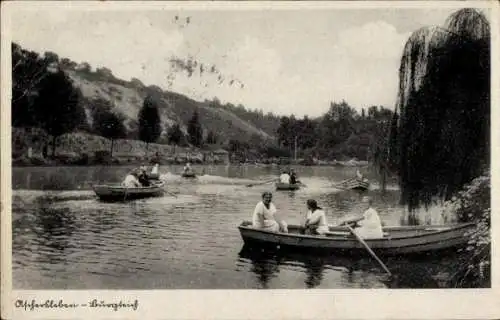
point(340, 132)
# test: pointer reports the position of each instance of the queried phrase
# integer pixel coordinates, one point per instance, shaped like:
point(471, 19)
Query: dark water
point(63, 238)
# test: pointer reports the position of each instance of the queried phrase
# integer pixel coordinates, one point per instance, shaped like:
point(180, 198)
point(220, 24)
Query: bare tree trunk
point(111, 152)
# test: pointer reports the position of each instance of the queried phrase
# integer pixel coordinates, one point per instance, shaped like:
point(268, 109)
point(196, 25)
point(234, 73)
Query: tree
point(175, 134)
point(149, 121)
point(57, 107)
point(106, 123)
point(211, 137)
point(195, 131)
point(441, 138)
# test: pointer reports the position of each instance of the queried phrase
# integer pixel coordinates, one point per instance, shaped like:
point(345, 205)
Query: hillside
point(127, 98)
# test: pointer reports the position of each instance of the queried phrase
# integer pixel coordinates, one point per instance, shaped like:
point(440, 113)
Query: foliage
point(149, 121)
point(57, 108)
point(473, 204)
point(341, 132)
point(175, 134)
point(106, 123)
point(211, 137)
point(441, 139)
point(195, 131)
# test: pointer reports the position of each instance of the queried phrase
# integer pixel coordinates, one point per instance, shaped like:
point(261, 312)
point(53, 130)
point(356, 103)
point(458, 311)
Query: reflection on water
point(63, 238)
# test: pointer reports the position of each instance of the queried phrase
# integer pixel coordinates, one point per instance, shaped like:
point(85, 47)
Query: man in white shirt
point(285, 177)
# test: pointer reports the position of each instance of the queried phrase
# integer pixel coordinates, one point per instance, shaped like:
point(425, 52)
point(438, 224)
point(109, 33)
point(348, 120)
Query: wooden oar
point(259, 183)
point(368, 249)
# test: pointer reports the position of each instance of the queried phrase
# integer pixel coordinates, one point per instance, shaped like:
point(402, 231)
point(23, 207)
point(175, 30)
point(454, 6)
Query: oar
point(368, 249)
point(259, 183)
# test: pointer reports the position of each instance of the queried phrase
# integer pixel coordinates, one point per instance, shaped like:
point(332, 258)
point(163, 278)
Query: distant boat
point(398, 240)
point(188, 175)
point(354, 184)
point(287, 186)
point(121, 193)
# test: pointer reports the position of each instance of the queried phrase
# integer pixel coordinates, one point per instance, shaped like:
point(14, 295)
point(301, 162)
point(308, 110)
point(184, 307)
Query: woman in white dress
point(264, 215)
point(315, 219)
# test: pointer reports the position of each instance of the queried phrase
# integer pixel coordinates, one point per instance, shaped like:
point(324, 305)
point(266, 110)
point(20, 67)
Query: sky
point(288, 60)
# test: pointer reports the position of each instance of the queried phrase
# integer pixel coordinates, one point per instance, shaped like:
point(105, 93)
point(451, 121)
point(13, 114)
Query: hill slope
point(127, 98)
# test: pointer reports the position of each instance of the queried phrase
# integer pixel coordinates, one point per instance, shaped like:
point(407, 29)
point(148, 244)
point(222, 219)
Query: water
point(63, 238)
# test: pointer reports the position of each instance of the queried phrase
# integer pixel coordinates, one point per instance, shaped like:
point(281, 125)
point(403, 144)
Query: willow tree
point(440, 136)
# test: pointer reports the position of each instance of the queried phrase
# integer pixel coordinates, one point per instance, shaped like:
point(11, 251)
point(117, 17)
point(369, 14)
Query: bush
point(102, 157)
point(473, 204)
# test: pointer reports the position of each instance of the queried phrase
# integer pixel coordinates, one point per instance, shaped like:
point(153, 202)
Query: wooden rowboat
point(354, 184)
point(400, 240)
point(121, 193)
point(287, 186)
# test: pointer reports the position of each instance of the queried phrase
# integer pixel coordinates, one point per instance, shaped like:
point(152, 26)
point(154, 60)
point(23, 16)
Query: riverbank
point(33, 147)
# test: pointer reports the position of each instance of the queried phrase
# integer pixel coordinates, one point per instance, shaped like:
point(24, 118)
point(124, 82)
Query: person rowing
point(293, 177)
point(369, 226)
point(315, 219)
point(264, 215)
point(143, 177)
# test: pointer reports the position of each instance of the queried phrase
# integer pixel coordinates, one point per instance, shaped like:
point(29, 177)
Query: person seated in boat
point(315, 219)
point(264, 215)
point(155, 170)
point(187, 168)
point(369, 226)
point(143, 177)
point(285, 177)
point(131, 181)
point(359, 176)
point(293, 177)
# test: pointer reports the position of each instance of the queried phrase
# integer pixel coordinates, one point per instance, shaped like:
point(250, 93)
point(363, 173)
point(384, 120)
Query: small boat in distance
point(121, 193)
point(398, 240)
point(188, 175)
point(287, 186)
point(354, 184)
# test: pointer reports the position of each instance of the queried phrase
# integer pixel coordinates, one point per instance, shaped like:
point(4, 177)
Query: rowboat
point(188, 175)
point(121, 193)
point(397, 240)
point(287, 186)
point(354, 184)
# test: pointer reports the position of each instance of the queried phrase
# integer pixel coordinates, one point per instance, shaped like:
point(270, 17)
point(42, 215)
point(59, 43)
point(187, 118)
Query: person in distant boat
point(293, 177)
point(359, 175)
point(264, 215)
point(285, 177)
point(187, 168)
point(131, 181)
point(143, 177)
point(369, 225)
point(155, 170)
point(315, 219)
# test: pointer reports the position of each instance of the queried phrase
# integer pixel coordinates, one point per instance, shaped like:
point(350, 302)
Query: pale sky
point(290, 61)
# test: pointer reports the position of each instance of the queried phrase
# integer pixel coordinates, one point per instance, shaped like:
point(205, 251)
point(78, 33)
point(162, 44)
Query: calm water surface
point(64, 238)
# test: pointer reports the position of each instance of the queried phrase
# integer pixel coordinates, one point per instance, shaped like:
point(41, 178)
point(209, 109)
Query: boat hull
point(287, 186)
point(354, 184)
point(189, 175)
point(120, 193)
point(398, 240)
